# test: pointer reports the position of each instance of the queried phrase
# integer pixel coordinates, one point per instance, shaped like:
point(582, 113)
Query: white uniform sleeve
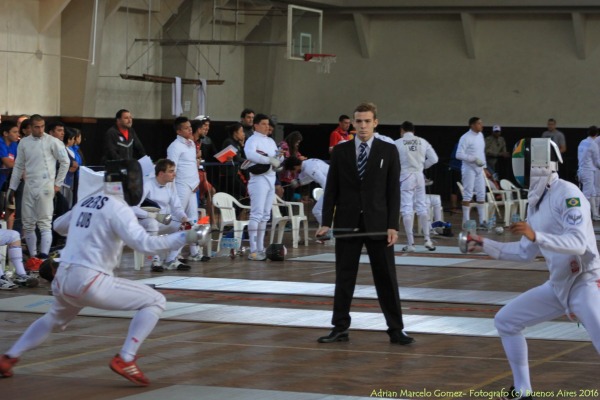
point(595, 154)
point(431, 156)
point(176, 210)
point(250, 150)
point(573, 239)
point(136, 237)
point(61, 224)
point(461, 151)
point(18, 169)
point(524, 250)
point(59, 151)
point(174, 153)
point(137, 210)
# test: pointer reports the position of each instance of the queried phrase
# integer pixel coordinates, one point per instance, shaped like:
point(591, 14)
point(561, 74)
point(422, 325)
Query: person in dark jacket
point(121, 141)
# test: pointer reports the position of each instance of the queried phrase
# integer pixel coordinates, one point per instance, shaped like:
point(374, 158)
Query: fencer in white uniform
point(12, 240)
point(559, 227)
point(416, 154)
point(182, 151)
point(471, 151)
point(36, 159)
point(588, 156)
point(170, 216)
point(597, 180)
point(262, 156)
point(97, 228)
point(384, 138)
point(311, 170)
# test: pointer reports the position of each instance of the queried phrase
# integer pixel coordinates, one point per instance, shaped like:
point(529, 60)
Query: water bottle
point(515, 218)
point(492, 223)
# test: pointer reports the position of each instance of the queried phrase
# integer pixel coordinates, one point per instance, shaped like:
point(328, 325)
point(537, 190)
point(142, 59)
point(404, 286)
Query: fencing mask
point(276, 252)
point(125, 178)
point(535, 162)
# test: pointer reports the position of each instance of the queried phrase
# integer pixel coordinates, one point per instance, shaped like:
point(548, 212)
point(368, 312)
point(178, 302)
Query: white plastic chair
point(508, 186)
point(278, 221)
point(298, 219)
point(225, 202)
point(502, 198)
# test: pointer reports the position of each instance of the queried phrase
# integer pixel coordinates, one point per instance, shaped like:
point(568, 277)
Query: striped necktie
point(362, 160)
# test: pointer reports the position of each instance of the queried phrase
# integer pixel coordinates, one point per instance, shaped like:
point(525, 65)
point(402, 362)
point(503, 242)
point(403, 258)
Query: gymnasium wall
point(525, 70)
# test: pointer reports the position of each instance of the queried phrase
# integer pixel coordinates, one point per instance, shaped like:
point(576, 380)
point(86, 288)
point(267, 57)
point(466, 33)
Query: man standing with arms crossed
point(37, 159)
point(120, 141)
point(471, 151)
point(362, 189)
point(416, 154)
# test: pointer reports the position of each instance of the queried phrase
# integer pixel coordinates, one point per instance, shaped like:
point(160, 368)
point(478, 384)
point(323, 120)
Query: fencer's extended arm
point(135, 236)
point(524, 250)
point(61, 224)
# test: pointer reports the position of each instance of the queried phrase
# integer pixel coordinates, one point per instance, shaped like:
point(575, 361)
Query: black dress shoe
point(335, 336)
point(401, 338)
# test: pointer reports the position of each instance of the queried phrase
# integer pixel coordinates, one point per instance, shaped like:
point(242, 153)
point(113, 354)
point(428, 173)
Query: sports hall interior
point(244, 330)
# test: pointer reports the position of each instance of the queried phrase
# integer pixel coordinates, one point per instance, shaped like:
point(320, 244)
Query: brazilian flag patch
point(573, 202)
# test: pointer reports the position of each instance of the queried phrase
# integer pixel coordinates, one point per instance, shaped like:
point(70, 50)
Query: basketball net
point(323, 61)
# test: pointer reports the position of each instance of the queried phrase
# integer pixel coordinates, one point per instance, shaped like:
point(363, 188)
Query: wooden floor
point(183, 357)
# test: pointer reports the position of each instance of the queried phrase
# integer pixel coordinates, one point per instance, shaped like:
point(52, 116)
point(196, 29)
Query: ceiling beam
point(49, 11)
point(468, 24)
point(363, 27)
point(580, 36)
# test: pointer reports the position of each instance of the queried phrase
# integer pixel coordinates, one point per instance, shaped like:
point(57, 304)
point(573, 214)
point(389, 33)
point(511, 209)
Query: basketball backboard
point(304, 32)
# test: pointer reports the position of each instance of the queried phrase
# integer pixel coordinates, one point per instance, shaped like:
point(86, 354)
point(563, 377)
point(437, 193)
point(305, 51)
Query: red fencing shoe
point(129, 370)
point(6, 364)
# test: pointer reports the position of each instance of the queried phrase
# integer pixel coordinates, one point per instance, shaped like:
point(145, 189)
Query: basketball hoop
point(323, 61)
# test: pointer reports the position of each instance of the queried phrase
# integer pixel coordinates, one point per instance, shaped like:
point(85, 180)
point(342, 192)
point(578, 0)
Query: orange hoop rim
point(310, 56)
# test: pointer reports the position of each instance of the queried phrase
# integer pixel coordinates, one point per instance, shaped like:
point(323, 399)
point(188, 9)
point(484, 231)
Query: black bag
point(258, 169)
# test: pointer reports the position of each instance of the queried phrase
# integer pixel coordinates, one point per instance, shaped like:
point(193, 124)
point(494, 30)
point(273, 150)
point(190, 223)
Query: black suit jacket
point(376, 196)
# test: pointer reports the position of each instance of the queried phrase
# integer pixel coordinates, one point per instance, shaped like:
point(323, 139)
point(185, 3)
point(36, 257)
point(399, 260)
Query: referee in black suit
point(362, 199)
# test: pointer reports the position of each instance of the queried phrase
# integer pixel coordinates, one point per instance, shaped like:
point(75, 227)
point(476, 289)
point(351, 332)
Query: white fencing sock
point(466, 213)
point(46, 242)
point(515, 348)
point(481, 212)
point(408, 221)
point(260, 237)
point(15, 255)
point(31, 240)
point(140, 327)
point(425, 225)
point(252, 234)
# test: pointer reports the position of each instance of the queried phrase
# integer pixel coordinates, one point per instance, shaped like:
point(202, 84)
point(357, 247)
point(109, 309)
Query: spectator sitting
point(290, 148)
point(160, 190)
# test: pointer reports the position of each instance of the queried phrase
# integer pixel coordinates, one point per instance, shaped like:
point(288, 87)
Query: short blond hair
point(365, 107)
